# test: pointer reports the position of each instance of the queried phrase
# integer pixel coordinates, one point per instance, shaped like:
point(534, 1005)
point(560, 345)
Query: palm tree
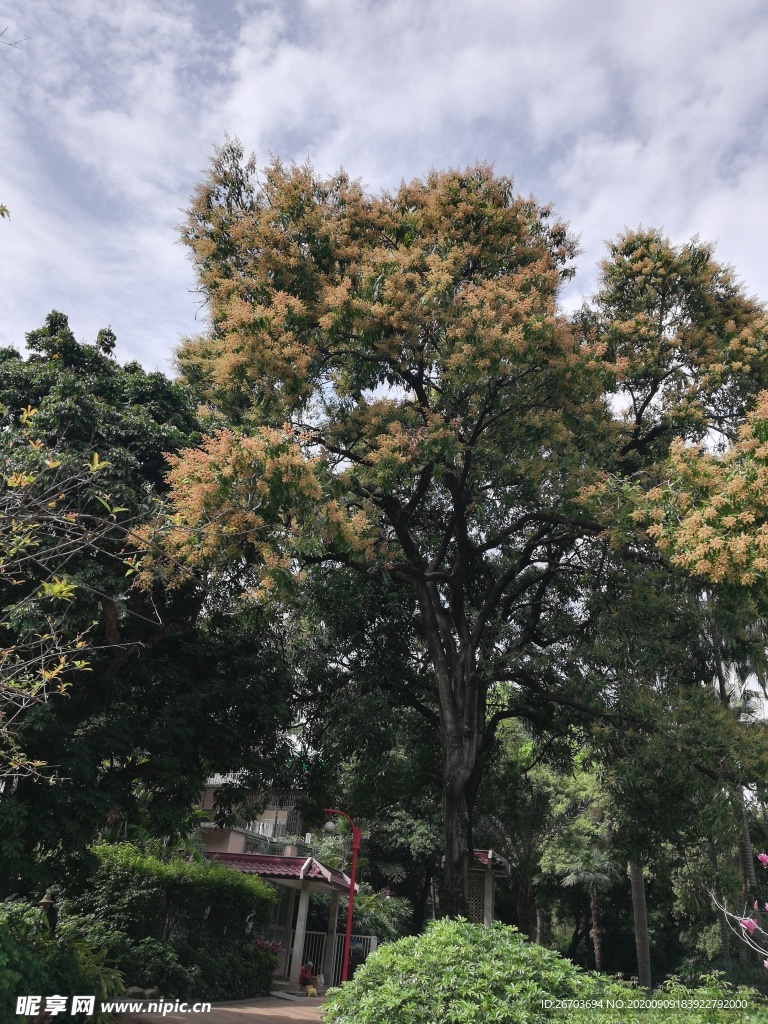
point(595, 870)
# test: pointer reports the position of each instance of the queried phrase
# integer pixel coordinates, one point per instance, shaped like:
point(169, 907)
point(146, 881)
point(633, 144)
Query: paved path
point(272, 1010)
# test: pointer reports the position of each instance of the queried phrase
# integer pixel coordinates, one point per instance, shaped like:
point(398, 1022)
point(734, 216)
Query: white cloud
point(619, 113)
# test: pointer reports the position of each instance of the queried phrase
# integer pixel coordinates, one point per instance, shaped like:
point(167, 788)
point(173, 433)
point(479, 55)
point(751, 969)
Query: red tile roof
point(498, 863)
point(283, 867)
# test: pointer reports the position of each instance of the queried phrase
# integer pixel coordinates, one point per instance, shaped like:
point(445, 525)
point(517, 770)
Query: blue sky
point(618, 113)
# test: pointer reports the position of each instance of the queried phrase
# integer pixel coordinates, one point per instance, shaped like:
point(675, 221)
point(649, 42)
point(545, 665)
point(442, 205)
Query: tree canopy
point(401, 397)
point(409, 404)
point(170, 684)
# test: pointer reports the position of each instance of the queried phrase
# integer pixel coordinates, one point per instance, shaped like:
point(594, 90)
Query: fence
point(314, 951)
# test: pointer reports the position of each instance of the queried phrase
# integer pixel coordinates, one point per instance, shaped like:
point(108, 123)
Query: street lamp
point(357, 835)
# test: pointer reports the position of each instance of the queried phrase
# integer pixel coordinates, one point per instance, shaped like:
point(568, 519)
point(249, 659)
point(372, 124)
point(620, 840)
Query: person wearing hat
point(50, 910)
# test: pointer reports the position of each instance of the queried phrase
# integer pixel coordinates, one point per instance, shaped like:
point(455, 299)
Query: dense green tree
point(74, 493)
point(369, 713)
point(178, 684)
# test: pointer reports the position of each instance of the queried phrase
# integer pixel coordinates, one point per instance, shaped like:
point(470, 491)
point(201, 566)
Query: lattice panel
point(476, 896)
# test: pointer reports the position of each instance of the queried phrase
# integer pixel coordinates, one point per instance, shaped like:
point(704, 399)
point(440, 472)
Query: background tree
point(686, 347)
point(176, 686)
point(36, 535)
point(369, 713)
point(708, 513)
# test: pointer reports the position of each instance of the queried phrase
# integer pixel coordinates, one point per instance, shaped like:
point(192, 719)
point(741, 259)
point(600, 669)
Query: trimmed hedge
point(190, 929)
point(461, 973)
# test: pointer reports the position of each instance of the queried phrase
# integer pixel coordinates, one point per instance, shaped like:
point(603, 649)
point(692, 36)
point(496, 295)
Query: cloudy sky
point(620, 113)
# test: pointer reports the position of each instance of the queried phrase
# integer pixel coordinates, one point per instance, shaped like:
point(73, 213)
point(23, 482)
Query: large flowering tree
point(395, 393)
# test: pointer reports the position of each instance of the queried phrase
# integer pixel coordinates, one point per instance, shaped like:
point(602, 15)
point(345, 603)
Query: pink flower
point(763, 858)
point(748, 924)
point(755, 905)
point(765, 964)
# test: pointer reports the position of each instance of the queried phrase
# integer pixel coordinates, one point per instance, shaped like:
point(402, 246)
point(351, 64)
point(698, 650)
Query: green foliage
point(380, 914)
point(375, 913)
point(459, 973)
point(190, 929)
point(171, 693)
point(21, 939)
point(82, 457)
point(365, 688)
point(33, 961)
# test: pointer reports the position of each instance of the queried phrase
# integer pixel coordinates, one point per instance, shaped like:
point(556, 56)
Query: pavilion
point(305, 875)
point(302, 875)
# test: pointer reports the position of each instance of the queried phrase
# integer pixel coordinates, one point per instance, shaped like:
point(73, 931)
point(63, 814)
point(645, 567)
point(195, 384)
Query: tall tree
point(412, 405)
point(405, 399)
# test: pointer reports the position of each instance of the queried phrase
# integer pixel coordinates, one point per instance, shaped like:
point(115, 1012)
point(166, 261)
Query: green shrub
point(146, 962)
point(190, 929)
point(174, 900)
point(32, 961)
point(460, 973)
point(375, 913)
point(22, 946)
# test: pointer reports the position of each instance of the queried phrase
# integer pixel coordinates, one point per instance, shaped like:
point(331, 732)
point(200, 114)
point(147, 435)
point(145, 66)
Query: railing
point(222, 780)
point(275, 847)
point(314, 951)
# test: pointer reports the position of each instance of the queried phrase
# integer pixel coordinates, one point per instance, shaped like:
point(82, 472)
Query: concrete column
point(288, 929)
point(298, 942)
point(488, 900)
point(330, 938)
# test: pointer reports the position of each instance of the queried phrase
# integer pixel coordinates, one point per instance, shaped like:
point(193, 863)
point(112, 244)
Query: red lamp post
point(357, 835)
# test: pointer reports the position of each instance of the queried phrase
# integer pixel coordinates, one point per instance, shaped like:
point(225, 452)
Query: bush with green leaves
point(381, 914)
point(190, 929)
point(462, 973)
point(22, 940)
point(32, 960)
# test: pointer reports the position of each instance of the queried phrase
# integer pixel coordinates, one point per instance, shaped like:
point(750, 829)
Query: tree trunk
point(722, 920)
point(543, 926)
point(597, 924)
point(639, 911)
point(749, 857)
point(420, 906)
point(579, 933)
point(743, 871)
point(764, 816)
point(744, 953)
point(525, 911)
point(462, 736)
point(452, 895)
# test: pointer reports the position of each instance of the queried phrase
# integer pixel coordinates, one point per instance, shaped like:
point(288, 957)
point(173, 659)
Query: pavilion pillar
point(488, 901)
point(301, 931)
point(289, 928)
point(330, 938)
